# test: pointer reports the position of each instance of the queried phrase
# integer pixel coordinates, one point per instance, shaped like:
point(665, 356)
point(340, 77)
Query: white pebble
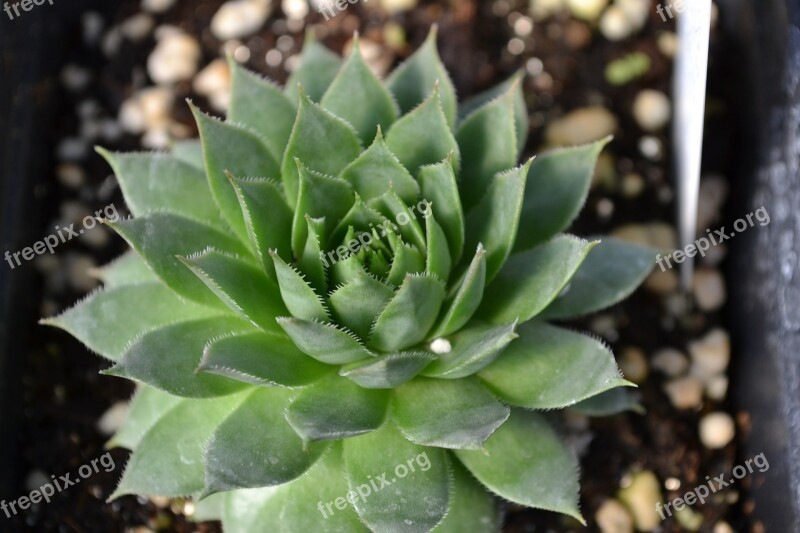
point(295, 9)
point(709, 289)
point(174, 59)
point(157, 6)
point(156, 138)
point(716, 430)
point(214, 82)
point(72, 149)
point(440, 346)
point(614, 24)
point(662, 282)
point(78, 268)
point(613, 517)
point(541, 9)
point(633, 364)
point(239, 18)
point(588, 10)
point(113, 418)
point(137, 27)
point(717, 388)
point(75, 78)
point(581, 126)
point(651, 148)
point(685, 393)
point(70, 175)
point(711, 354)
point(641, 497)
point(637, 12)
point(670, 362)
point(651, 109)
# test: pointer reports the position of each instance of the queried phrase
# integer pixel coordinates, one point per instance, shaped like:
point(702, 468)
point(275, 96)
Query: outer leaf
point(423, 136)
point(358, 303)
point(317, 69)
point(189, 151)
point(514, 84)
point(127, 269)
point(415, 500)
point(227, 147)
point(610, 273)
point(261, 359)
point(439, 187)
point(558, 183)
point(488, 144)
point(299, 297)
point(147, 407)
point(495, 219)
point(471, 507)
point(550, 367)
point(169, 458)
point(407, 260)
point(267, 217)
point(152, 182)
point(160, 237)
point(610, 402)
point(473, 348)
point(256, 447)
point(413, 81)
point(356, 82)
point(467, 298)
point(526, 463)
point(336, 409)
point(377, 170)
point(387, 371)
point(167, 358)
point(532, 279)
point(244, 288)
point(312, 262)
point(324, 342)
point(259, 104)
point(320, 196)
point(409, 316)
point(457, 414)
point(438, 261)
point(320, 139)
point(108, 320)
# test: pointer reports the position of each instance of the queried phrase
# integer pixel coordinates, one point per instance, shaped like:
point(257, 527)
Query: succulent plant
point(335, 305)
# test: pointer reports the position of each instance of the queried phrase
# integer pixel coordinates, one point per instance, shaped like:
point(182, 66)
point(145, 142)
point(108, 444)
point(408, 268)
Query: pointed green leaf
point(558, 183)
point(610, 273)
point(317, 69)
point(319, 139)
point(169, 459)
point(261, 359)
point(127, 269)
point(147, 407)
point(472, 349)
point(160, 237)
point(471, 507)
point(246, 289)
point(513, 84)
point(324, 342)
point(414, 80)
point(189, 151)
point(423, 137)
point(311, 262)
point(336, 408)
point(167, 358)
point(259, 104)
point(356, 82)
point(267, 217)
point(109, 319)
point(494, 221)
point(377, 170)
point(358, 303)
point(319, 196)
point(344, 268)
point(256, 447)
point(438, 261)
point(407, 260)
point(299, 297)
point(440, 189)
point(550, 367)
point(360, 216)
point(404, 217)
point(417, 497)
point(608, 403)
point(488, 144)
point(466, 299)
point(532, 279)
point(447, 413)
point(410, 314)
point(387, 371)
point(152, 182)
point(525, 462)
point(231, 148)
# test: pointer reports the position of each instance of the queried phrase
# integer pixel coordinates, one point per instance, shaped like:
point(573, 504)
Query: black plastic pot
point(764, 280)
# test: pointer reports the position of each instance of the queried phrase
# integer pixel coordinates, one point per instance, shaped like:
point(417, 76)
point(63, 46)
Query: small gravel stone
point(641, 497)
point(651, 109)
point(581, 126)
point(685, 393)
point(137, 27)
point(92, 24)
point(72, 149)
point(295, 9)
point(670, 362)
point(667, 43)
point(615, 25)
point(588, 10)
point(716, 430)
point(157, 6)
point(398, 6)
point(70, 175)
point(78, 267)
point(632, 185)
point(717, 388)
point(75, 78)
point(633, 364)
point(690, 520)
point(111, 41)
point(156, 105)
point(708, 287)
point(662, 282)
point(156, 138)
point(542, 9)
point(174, 58)
point(113, 418)
point(722, 527)
point(711, 354)
point(715, 255)
point(214, 82)
point(240, 18)
point(35, 479)
point(657, 234)
point(651, 148)
point(613, 517)
point(713, 193)
point(131, 116)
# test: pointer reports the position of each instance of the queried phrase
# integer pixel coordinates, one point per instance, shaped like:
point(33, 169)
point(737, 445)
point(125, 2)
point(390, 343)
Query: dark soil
point(64, 396)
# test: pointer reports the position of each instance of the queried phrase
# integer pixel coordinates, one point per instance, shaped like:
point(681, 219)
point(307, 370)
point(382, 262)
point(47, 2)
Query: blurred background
point(717, 368)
